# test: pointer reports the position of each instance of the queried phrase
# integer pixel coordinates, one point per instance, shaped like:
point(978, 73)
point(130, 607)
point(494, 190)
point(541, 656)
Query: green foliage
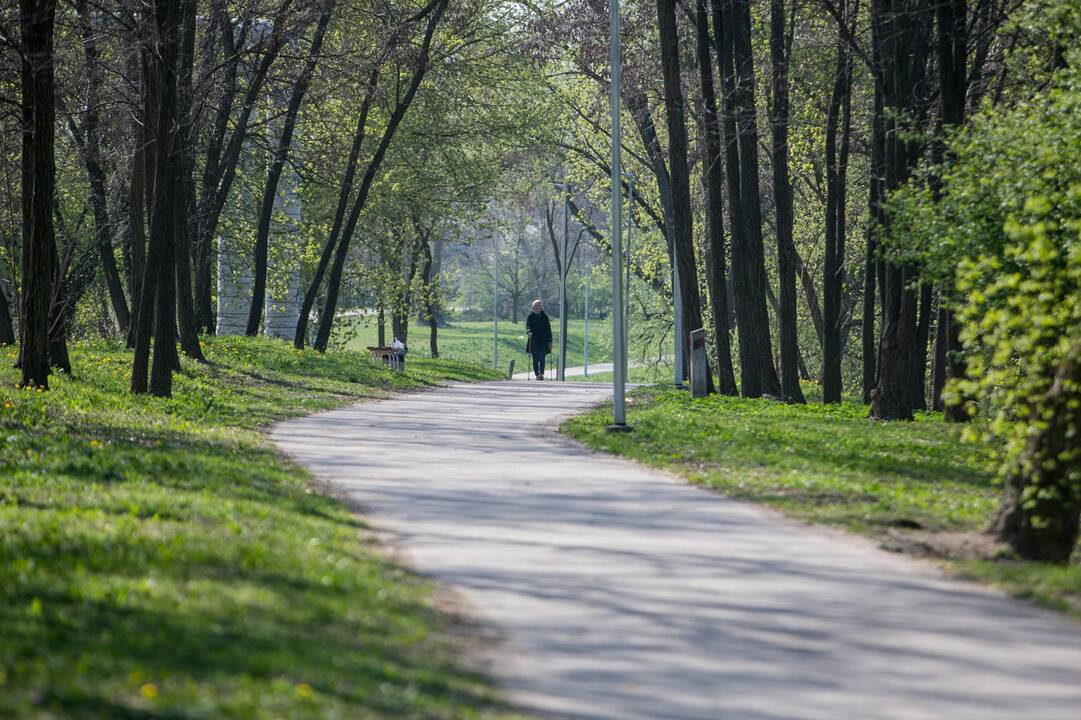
point(827, 464)
point(1004, 236)
point(159, 559)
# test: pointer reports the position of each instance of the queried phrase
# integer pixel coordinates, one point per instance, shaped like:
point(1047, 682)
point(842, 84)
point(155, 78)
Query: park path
point(620, 592)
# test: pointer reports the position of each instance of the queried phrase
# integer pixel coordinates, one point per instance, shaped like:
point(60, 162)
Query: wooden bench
point(388, 356)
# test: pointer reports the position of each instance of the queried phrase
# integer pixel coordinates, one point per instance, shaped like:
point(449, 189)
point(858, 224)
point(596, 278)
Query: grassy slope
point(159, 560)
point(472, 341)
point(828, 464)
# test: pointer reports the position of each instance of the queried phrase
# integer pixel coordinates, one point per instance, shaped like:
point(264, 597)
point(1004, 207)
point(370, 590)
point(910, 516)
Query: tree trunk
point(1041, 502)
point(871, 262)
point(902, 31)
point(683, 237)
point(919, 357)
point(952, 17)
point(780, 45)
point(274, 171)
point(7, 328)
point(215, 194)
point(326, 318)
point(713, 180)
point(157, 310)
point(833, 264)
point(91, 152)
point(185, 302)
point(939, 357)
point(223, 25)
point(732, 24)
point(429, 297)
point(301, 335)
point(36, 19)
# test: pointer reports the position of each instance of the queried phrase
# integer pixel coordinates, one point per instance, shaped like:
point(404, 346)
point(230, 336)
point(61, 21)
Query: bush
point(1002, 238)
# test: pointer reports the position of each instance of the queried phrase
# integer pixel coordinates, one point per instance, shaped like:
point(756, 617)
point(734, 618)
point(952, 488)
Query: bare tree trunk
point(871, 262)
point(758, 376)
point(902, 30)
point(274, 171)
point(952, 19)
point(185, 303)
point(780, 44)
point(430, 294)
point(159, 281)
point(833, 265)
point(683, 236)
point(36, 19)
point(713, 180)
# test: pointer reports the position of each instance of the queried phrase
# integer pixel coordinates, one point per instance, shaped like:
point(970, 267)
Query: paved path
point(623, 593)
point(576, 371)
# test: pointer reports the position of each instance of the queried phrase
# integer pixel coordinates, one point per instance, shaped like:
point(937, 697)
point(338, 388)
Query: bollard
point(699, 363)
point(510, 371)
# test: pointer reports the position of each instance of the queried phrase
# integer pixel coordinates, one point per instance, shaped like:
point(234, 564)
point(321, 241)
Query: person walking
point(539, 333)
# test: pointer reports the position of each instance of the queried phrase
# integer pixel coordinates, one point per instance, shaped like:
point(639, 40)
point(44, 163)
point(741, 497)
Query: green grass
point(158, 559)
point(472, 341)
point(829, 464)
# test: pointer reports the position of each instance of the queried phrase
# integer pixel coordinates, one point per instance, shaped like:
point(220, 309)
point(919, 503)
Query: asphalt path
point(620, 592)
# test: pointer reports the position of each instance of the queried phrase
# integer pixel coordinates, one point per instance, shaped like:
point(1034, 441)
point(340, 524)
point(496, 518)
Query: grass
point(472, 341)
point(829, 464)
point(158, 559)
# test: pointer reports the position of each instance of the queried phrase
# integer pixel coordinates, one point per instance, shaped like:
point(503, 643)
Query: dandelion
point(149, 691)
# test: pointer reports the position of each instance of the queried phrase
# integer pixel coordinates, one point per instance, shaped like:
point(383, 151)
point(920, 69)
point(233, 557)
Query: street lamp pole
point(495, 305)
point(561, 368)
point(585, 332)
point(619, 409)
point(627, 287)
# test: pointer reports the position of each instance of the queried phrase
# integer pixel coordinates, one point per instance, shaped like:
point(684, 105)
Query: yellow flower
point(305, 691)
point(149, 691)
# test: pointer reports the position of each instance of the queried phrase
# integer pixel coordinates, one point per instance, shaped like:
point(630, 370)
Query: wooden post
point(699, 364)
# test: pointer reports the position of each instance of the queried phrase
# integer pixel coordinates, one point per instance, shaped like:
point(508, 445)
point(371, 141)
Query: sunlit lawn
point(158, 559)
point(471, 341)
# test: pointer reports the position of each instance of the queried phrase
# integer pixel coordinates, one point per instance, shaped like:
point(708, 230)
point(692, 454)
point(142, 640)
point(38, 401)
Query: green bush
point(1002, 238)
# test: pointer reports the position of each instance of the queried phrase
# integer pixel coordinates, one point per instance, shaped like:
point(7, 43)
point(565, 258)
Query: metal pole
point(627, 287)
point(619, 409)
point(495, 306)
point(563, 266)
point(677, 323)
point(585, 334)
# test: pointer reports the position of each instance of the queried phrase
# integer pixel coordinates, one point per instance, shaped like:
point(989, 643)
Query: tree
point(780, 46)
point(713, 181)
point(682, 230)
point(838, 122)
point(157, 307)
point(326, 318)
point(732, 19)
point(39, 262)
point(277, 164)
point(901, 32)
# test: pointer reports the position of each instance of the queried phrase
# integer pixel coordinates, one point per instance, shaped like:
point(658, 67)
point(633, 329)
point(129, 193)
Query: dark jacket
point(540, 330)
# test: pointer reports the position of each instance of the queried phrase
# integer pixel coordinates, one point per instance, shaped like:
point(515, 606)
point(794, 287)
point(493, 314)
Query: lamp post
point(495, 305)
point(561, 366)
point(619, 409)
point(585, 332)
point(627, 287)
